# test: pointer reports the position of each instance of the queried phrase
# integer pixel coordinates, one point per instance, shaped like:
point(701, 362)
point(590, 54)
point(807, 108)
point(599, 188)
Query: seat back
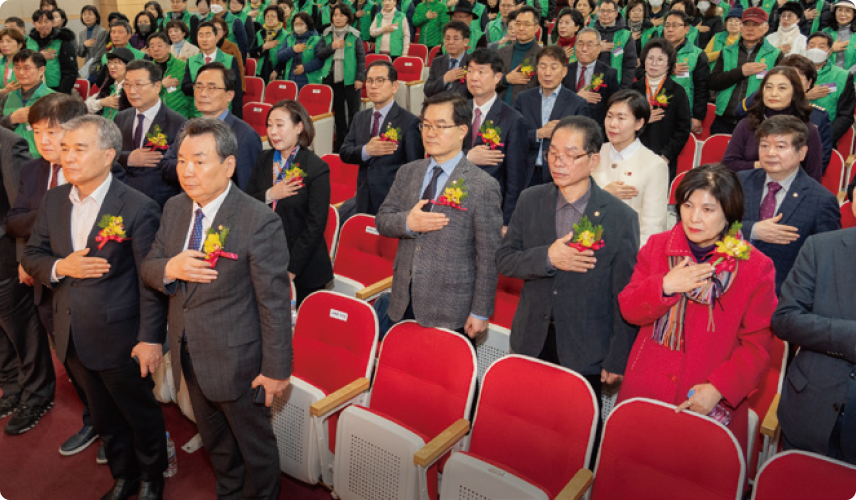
point(93, 90)
point(650, 451)
point(833, 177)
point(316, 98)
point(686, 158)
point(707, 122)
point(279, 90)
point(255, 89)
point(82, 88)
point(713, 149)
point(343, 178)
point(674, 187)
point(331, 231)
point(418, 50)
point(507, 297)
point(798, 475)
point(425, 377)
point(335, 340)
point(409, 68)
point(847, 143)
point(370, 58)
point(250, 66)
point(255, 114)
point(552, 435)
point(848, 219)
point(433, 54)
point(362, 253)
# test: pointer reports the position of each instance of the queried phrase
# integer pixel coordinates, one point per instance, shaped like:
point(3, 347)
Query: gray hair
point(109, 136)
point(224, 137)
point(589, 30)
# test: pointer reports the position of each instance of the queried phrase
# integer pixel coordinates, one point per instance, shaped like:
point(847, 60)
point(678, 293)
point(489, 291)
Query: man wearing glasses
point(15, 106)
point(584, 74)
point(617, 48)
point(142, 148)
point(568, 313)
point(448, 71)
point(521, 55)
point(692, 70)
point(208, 53)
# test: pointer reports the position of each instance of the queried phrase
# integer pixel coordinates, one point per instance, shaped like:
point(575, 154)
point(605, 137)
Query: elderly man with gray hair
point(592, 79)
point(89, 239)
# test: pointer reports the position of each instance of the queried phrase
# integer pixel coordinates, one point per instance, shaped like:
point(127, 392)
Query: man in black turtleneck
point(520, 55)
point(617, 47)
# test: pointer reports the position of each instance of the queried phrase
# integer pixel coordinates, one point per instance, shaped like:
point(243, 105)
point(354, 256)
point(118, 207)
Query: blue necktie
point(196, 236)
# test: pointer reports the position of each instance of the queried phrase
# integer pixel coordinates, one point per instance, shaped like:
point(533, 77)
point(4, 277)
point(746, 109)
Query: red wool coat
point(732, 356)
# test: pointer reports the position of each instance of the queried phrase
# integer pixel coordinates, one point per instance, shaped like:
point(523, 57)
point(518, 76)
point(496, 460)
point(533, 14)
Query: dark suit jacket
point(506, 53)
point(107, 316)
point(14, 152)
point(668, 136)
point(808, 206)
point(816, 313)
point(377, 174)
point(439, 67)
point(249, 149)
point(304, 216)
point(239, 325)
point(514, 172)
point(610, 78)
point(528, 103)
point(147, 180)
point(237, 101)
point(450, 273)
point(590, 332)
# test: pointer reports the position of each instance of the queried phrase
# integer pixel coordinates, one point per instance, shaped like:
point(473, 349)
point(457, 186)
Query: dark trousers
point(344, 95)
point(126, 416)
point(26, 367)
point(541, 175)
point(239, 438)
point(722, 125)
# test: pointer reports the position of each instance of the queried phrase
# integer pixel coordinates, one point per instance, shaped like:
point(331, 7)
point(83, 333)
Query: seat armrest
point(331, 402)
point(338, 205)
point(374, 288)
point(849, 161)
point(442, 443)
point(415, 82)
point(321, 117)
point(577, 486)
point(770, 425)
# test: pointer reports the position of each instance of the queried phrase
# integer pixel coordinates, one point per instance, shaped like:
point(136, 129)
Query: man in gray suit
point(816, 313)
point(229, 319)
point(568, 313)
point(445, 274)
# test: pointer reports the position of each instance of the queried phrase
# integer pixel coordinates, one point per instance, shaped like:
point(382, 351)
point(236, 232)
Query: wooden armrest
point(577, 486)
point(441, 444)
point(264, 139)
point(416, 82)
point(321, 117)
point(350, 391)
point(374, 288)
point(850, 161)
point(337, 205)
point(770, 425)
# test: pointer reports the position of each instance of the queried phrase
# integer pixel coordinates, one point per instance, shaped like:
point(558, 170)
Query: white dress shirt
point(83, 215)
point(209, 211)
point(780, 194)
point(149, 115)
point(589, 72)
point(485, 109)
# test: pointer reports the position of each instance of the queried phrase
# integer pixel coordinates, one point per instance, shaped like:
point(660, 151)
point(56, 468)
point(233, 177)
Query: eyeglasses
point(137, 86)
point(608, 11)
point(210, 88)
point(431, 128)
point(377, 81)
point(656, 60)
point(587, 45)
point(19, 69)
point(673, 25)
point(564, 159)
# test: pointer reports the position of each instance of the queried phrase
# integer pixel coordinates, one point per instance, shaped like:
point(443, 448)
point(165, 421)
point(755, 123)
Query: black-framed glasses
point(210, 88)
point(430, 127)
point(564, 159)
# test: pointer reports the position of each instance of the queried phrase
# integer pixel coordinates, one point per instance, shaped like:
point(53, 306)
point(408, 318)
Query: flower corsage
point(731, 249)
point(661, 100)
point(156, 139)
point(295, 173)
point(392, 134)
point(112, 229)
point(586, 236)
point(453, 195)
point(527, 69)
point(491, 134)
point(214, 243)
point(596, 83)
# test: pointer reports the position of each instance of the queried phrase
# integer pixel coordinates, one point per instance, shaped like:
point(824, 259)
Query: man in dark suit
point(816, 313)
point(520, 54)
point(445, 275)
point(209, 53)
point(544, 106)
point(588, 68)
point(70, 252)
point(508, 163)
point(783, 205)
point(449, 69)
point(148, 129)
point(213, 91)
point(568, 313)
point(230, 320)
point(379, 160)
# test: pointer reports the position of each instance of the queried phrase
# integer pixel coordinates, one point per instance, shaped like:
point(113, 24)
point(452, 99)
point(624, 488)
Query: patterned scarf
point(280, 167)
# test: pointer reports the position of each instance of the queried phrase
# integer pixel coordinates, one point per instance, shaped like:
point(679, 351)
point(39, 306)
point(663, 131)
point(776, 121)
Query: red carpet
point(31, 467)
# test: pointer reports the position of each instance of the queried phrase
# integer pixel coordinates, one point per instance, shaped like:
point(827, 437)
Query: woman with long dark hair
point(144, 25)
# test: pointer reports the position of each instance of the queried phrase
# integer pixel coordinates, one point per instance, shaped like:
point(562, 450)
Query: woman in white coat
point(627, 169)
point(788, 38)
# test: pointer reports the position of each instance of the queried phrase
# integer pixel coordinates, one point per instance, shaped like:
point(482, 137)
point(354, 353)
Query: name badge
point(29, 127)
point(618, 51)
point(683, 75)
point(761, 75)
point(170, 90)
point(831, 86)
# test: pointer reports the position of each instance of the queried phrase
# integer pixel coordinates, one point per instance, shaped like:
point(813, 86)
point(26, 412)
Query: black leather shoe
point(151, 490)
point(122, 489)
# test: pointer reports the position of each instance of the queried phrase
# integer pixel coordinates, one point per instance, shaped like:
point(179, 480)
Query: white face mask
point(216, 8)
point(703, 6)
point(656, 3)
point(817, 56)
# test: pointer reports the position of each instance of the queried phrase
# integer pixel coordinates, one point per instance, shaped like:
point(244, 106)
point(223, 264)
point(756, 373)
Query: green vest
point(32, 45)
point(831, 74)
point(4, 65)
point(176, 100)
point(657, 32)
point(137, 54)
point(307, 6)
point(260, 17)
point(52, 72)
point(185, 18)
point(350, 62)
point(767, 5)
point(431, 30)
point(545, 7)
point(110, 113)
point(396, 38)
point(230, 19)
point(619, 41)
point(478, 11)
point(815, 24)
point(197, 61)
point(719, 40)
point(849, 52)
point(689, 55)
point(767, 54)
point(364, 24)
point(307, 56)
point(495, 30)
point(268, 54)
point(14, 102)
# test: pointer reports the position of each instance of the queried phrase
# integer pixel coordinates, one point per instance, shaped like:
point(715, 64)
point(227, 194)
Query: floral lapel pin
point(214, 243)
point(453, 195)
point(491, 134)
point(587, 236)
point(112, 229)
point(156, 139)
point(731, 249)
point(392, 134)
point(596, 83)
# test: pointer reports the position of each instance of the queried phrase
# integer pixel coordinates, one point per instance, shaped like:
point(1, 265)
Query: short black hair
point(224, 137)
point(57, 108)
point(94, 10)
point(344, 10)
point(279, 15)
point(554, 52)
point(122, 23)
point(118, 16)
point(221, 22)
point(63, 16)
point(689, 7)
point(17, 20)
point(592, 134)
point(613, 2)
point(152, 21)
point(157, 7)
point(175, 23)
point(230, 79)
point(298, 114)
point(784, 125)
point(392, 73)
point(206, 24)
point(462, 112)
point(160, 35)
point(822, 34)
point(489, 57)
point(667, 48)
point(685, 18)
point(459, 26)
point(306, 18)
point(721, 183)
point(40, 13)
point(576, 16)
point(155, 73)
point(29, 55)
point(290, 3)
point(592, 4)
point(52, 3)
point(803, 65)
point(638, 104)
point(532, 10)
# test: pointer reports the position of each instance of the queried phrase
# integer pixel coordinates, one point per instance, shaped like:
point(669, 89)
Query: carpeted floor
point(31, 467)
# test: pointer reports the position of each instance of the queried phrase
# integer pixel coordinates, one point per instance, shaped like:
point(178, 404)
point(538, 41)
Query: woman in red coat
point(701, 329)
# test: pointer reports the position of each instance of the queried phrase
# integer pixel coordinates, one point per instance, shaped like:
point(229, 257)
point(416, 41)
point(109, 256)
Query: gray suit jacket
point(816, 313)
point(239, 325)
point(450, 272)
point(591, 334)
point(14, 152)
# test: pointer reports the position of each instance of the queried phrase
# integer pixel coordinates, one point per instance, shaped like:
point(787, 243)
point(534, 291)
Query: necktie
point(582, 81)
point(196, 236)
point(768, 204)
point(476, 127)
point(207, 59)
point(138, 134)
point(431, 188)
point(54, 176)
point(453, 63)
point(376, 124)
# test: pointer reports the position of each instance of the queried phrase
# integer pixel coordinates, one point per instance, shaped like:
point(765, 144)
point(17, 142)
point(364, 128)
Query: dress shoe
point(122, 489)
point(151, 490)
point(79, 442)
point(26, 417)
point(8, 405)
